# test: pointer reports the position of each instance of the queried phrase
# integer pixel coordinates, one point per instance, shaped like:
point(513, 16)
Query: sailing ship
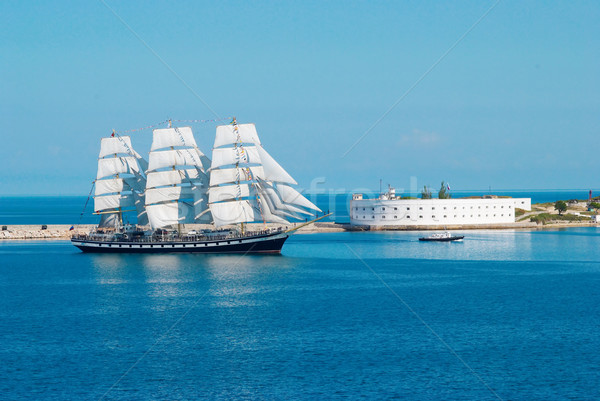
point(180, 185)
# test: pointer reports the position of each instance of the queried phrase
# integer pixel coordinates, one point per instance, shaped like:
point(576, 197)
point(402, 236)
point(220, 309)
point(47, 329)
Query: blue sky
point(514, 105)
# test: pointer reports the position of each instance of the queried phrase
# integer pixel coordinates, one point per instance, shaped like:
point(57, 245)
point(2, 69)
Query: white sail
point(177, 181)
point(113, 202)
point(172, 177)
point(242, 211)
point(172, 213)
point(234, 212)
point(267, 214)
point(182, 137)
point(253, 179)
point(112, 166)
point(177, 157)
point(113, 146)
point(226, 135)
point(228, 192)
point(109, 220)
point(234, 156)
point(291, 196)
point(109, 186)
point(280, 208)
point(273, 171)
point(231, 175)
point(157, 195)
point(120, 180)
point(171, 137)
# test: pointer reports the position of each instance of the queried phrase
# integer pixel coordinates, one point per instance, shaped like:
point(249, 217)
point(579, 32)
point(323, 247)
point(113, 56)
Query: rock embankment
point(55, 231)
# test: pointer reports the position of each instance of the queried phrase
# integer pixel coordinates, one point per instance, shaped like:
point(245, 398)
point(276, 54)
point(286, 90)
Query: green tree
point(561, 206)
point(595, 205)
point(443, 193)
point(426, 193)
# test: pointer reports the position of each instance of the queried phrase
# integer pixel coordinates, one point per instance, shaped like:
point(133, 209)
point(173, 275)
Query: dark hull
point(270, 243)
point(442, 239)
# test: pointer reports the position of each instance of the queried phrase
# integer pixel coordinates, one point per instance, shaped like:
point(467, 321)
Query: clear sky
point(515, 104)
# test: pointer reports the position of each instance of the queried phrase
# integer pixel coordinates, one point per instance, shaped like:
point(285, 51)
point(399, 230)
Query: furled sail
point(247, 184)
point(177, 183)
point(120, 181)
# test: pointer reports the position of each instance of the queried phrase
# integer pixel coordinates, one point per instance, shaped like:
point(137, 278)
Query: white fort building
point(391, 210)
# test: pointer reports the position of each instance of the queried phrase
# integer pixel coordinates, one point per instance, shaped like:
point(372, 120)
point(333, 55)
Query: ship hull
point(268, 243)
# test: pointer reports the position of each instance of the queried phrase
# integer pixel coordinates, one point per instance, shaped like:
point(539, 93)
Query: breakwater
point(53, 231)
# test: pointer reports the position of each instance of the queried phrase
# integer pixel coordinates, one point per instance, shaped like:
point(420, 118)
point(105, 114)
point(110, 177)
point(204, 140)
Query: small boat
point(443, 237)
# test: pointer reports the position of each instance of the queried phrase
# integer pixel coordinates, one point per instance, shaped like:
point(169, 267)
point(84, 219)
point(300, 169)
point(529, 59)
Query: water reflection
point(478, 245)
point(170, 281)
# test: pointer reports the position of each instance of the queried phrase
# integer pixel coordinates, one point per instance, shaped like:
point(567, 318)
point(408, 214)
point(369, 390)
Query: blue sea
point(507, 314)
point(79, 209)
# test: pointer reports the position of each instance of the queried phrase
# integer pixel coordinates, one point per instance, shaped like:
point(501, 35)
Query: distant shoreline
point(60, 232)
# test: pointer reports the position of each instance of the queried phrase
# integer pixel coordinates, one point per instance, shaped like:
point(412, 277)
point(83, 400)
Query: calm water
point(520, 308)
point(70, 209)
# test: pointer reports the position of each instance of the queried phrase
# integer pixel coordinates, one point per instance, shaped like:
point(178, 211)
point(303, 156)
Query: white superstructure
point(389, 210)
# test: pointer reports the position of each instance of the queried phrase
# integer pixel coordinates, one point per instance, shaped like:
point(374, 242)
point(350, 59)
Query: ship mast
point(177, 179)
point(119, 181)
point(247, 184)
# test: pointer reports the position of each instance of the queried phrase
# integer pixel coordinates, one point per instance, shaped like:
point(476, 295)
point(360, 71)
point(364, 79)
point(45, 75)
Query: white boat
point(443, 237)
